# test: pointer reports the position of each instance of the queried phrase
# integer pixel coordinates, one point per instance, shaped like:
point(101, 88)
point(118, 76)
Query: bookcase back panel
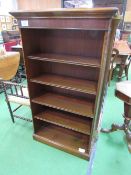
point(70, 93)
point(31, 40)
point(62, 118)
point(70, 42)
point(38, 124)
point(75, 71)
point(39, 109)
point(61, 91)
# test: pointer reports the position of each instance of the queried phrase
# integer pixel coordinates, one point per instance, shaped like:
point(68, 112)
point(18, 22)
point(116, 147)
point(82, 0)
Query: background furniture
point(120, 4)
point(10, 35)
point(124, 35)
point(9, 61)
point(8, 65)
point(18, 94)
point(123, 92)
point(10, 38)
point(123, 60)
point(14, 92)
point(67, 55)
point(18, 48)
point(114, 56)
point(127, 21)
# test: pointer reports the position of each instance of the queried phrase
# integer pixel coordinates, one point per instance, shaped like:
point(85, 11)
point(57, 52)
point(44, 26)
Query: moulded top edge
point(68, 12)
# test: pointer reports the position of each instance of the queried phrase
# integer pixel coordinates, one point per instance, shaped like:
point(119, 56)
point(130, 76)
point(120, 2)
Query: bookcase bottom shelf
point(64, 139)
point(66, 120)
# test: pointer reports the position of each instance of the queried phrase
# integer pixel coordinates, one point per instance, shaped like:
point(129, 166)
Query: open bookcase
point(67, 55)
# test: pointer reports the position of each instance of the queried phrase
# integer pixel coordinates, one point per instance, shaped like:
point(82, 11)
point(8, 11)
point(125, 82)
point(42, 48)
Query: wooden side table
point(124, 53)
point(123, 92)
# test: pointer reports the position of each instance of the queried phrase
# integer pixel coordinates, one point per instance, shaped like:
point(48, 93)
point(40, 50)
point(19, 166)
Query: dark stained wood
point(69, 93)
point(64, 139)
point(103, 80)
point(73, 43)
point(122, 96)
point(67, 83)
point(99, 12)
point(70, 70)
point(78, 43)
point(120, 4)
point(127, 111)
point(68, 23)
point(69, 104)
point(87, 44)
point(64, 18)
point(67, 70)
point(67, 59)
point(70, 121)
point(123, 91)
point(42, 89)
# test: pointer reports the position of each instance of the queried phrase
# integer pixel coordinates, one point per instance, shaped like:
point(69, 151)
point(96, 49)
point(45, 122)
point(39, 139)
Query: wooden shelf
point(70, 121)
point(69, 104)
point(64, 139)
point(67, 59)
point(79, 85)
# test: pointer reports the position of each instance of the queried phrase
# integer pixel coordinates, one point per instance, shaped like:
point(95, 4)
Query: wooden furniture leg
point(127, 67)
point(127, 121)
point(122, 68)
point(126, 127)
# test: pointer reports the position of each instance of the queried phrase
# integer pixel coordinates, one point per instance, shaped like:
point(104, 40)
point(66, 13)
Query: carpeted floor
point(21, 155)
point(112, 156)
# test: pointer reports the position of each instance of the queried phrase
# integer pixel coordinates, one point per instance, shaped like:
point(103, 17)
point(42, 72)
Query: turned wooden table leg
point(114, 127)
point(122, 67)
point(128, 136)
point(127, 123)
point(125, 127)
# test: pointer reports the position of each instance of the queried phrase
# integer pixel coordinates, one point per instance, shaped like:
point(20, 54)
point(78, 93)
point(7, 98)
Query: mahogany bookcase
point(67, 55)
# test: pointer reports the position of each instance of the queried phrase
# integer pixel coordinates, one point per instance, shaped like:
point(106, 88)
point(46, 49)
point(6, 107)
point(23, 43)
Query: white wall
point(7, 6)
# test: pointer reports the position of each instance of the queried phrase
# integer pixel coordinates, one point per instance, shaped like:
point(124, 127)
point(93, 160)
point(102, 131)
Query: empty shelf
point(70, 121)
point(85, 86)
point(64, 139)
point(69, 104)
point(67, 59)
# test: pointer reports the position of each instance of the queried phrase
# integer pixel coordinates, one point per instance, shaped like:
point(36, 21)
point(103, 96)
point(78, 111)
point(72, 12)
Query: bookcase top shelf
point(67, 59)
point(66, 120)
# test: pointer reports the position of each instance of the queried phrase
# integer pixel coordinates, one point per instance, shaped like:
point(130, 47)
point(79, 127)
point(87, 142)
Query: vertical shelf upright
point(67, 55)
